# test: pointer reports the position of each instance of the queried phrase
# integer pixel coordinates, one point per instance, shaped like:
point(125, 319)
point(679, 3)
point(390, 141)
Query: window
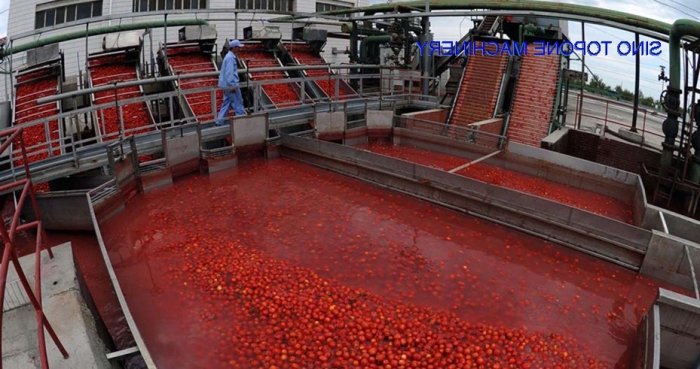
point(160, 5)
point(274, 5)
point(51, 14)
point(328, 7)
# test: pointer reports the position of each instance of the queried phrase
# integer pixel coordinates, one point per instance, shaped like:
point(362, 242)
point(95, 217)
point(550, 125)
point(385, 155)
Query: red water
point(576, 197)
point(279, 264)
point(106, 70)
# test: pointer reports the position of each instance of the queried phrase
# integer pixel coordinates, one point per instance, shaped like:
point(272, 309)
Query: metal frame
point(9, 255)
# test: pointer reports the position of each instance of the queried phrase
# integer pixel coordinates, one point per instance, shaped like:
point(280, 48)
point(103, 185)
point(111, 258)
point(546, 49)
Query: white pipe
point(663, 221)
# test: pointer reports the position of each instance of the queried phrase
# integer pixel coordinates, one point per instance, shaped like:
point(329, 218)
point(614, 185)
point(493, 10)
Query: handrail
point(145, 81)
point(89, 145)
point(692, 272)
point(140, 344)
point(579, 111)
point(9, 254)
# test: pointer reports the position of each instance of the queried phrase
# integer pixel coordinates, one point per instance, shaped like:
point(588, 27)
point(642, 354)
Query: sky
point(612, 68)
point(4, 11)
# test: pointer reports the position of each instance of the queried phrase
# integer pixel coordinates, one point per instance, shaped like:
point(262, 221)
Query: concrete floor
point(65, 309)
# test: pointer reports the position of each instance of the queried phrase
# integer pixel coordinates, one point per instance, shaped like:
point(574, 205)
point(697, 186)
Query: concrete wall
point(433, 115)
point(61, 210)
point(489, 127)
point(556, 141)
point(22, 13)
point(666, 259)
point(679, 325)
point(614, 153)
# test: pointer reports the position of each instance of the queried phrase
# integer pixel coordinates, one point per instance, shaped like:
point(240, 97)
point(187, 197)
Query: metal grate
point(103, 194)
point(153, 167)
point(15, 296)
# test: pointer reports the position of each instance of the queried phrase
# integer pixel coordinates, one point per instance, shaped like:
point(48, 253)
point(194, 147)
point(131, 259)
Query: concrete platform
point(65, 309)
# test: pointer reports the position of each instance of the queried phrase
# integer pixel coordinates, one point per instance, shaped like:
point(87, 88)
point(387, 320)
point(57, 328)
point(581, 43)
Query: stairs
point(487, 27)
point(478, 94)
point(535, 93)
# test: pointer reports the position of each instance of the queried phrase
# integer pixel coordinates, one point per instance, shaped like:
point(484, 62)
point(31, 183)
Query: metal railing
point(686, 254)
point(14, 135)
point(464, 134)
point(647, 133)
point(70, 145)
point(116, 152)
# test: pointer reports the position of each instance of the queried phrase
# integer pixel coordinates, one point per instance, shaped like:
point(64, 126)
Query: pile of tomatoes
point(31, 87)
point(188, 60)
point(281, 93)
point(288, 316)
point(576, 197)
point(105, 71)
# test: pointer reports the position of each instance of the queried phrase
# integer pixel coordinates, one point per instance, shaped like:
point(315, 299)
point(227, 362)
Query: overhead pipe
point(367, 41)
point(526, 5)
point(101, 31)
point(348, 28)
point(671, 98)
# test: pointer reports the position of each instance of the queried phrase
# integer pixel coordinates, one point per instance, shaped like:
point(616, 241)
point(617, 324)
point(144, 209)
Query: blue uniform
point(228, 79)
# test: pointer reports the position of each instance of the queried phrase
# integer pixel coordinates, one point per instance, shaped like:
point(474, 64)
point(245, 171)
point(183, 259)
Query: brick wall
point(582, 145)
point(614, 153)
point(626, 156)
point(434, 115)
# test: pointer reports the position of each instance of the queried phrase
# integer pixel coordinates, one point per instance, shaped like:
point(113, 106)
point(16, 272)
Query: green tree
point(597, 84)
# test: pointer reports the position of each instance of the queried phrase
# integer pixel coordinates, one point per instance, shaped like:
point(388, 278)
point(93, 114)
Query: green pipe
point(680, 28)
point(366, 42)
point(102, 31)
point(347, 28)
point(574, 9)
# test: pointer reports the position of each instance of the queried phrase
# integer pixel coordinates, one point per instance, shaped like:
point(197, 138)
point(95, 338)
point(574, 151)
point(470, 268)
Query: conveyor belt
point(535, 93)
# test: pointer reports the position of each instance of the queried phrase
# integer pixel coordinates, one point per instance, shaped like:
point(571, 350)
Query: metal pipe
point(635, 110)
point(692, 272)
point(100, 31)
point(364, 45)
point(349, 28)
point(671, 101)
point(573, 9)
point(583, 71)
point(140, 82)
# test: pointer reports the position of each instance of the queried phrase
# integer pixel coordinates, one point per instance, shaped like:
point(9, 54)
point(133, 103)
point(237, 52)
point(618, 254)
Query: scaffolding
point(10, 136)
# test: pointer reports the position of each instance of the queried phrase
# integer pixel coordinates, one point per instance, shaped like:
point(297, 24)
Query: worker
point(228, 81)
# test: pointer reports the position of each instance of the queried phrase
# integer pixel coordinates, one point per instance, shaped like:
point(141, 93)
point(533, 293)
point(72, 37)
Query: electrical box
point(262, 33)
point(43, 54)
point(309, 34)
point(197, 33)
point(122, 40)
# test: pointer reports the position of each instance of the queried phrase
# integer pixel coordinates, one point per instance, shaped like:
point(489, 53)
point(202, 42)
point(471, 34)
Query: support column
point(425, 60)
point(636, 86)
